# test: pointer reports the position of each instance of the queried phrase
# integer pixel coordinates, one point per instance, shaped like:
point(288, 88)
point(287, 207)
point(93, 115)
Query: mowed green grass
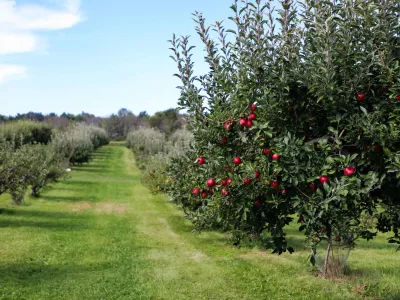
point(102, 235)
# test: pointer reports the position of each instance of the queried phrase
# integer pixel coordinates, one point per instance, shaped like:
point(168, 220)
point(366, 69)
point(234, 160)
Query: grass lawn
point(102, 235)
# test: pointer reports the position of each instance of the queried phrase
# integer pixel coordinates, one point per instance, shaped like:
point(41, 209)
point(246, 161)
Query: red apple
point(360, 97)
point(267, 151)
point(249, 123)
point(229, 181)
point(257, 175)
point(247, 181)
point(377, 148)
point(323, 179)
point(338, 239)
point(275, 156)
point(384, 89)
point(252, 117)
point(275, 184)
point(228, 125)
point(284, 192)
point(312, 187)
point(224, 183)
point(398, 97)
point(224, 192)
point(237, 160)
point(201, 160)
point(224, 140)
point(349, 171)
point(196, 191)
point(257, 203)
point(211, 182)
point(243, 122)
point(204, 195)
point(301, 220)
point(253, 107)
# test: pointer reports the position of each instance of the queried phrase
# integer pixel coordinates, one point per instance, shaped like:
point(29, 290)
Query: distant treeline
point(117, 125)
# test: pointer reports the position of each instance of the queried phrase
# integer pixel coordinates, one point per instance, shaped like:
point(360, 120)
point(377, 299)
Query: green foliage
point(326, 93)
point(26, 132)
point(119, 125)
point(98, 135)
point(34, 165)
point(166, 121)
point(79, 142)
point(178, 142)
point(23, 164)
point(47, 166)
point(154, 153)
point(145, 141)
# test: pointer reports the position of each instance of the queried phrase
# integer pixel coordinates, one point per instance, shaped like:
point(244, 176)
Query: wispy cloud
point(22, 27)
point(8, 72)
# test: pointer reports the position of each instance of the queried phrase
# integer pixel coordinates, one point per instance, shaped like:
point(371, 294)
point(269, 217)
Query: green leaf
point(364, 110)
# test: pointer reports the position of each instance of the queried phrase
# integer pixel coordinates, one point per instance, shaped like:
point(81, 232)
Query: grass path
point(102, 235)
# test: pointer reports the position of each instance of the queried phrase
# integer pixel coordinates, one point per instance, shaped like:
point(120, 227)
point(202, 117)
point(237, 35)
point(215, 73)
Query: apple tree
point(297, 121)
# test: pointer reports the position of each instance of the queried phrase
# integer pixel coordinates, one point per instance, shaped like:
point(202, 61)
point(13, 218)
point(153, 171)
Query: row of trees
point(26, 132)
point(154, 151)
point(34, 165)
point(54, 120)
point(117, 125)
point(299, 115)
point(32, 155)
point(79, 141)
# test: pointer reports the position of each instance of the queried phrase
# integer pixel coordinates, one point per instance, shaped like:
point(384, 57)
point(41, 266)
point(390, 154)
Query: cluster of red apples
point(248, 122)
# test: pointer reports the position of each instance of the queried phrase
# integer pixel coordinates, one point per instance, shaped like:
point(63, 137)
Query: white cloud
point(22, 26)
point(18, 42)
point(8, 72)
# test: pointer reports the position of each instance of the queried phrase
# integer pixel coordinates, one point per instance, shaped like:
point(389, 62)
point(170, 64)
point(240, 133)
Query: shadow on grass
point(81, 185)
point(182, 225)
point(56, 225)
point(37, 272)
point(93, 170)
point(62, 198)
point(40, 214)
point(101, 153)
point(92, 166)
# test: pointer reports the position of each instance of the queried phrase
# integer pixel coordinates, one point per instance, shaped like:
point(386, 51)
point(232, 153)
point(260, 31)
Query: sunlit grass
point(102, 235)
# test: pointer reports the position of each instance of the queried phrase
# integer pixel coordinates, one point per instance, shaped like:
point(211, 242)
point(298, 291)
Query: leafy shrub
point(37, 165)
point(154, 172)
point(79, 141)
point(153, 154)
point(47, 166)
point(98, 135)
point(178, 142)
point(304, 120)
point(30, 164)
point(75, 144)
point(145, 141)
point(26, 132)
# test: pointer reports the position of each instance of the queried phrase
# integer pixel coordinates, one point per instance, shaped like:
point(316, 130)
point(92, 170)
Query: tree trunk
point(328, 250)
point(34, 192)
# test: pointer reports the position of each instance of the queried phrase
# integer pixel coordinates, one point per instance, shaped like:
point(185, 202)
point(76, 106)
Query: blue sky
point(95, 56)
point(114, 54)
